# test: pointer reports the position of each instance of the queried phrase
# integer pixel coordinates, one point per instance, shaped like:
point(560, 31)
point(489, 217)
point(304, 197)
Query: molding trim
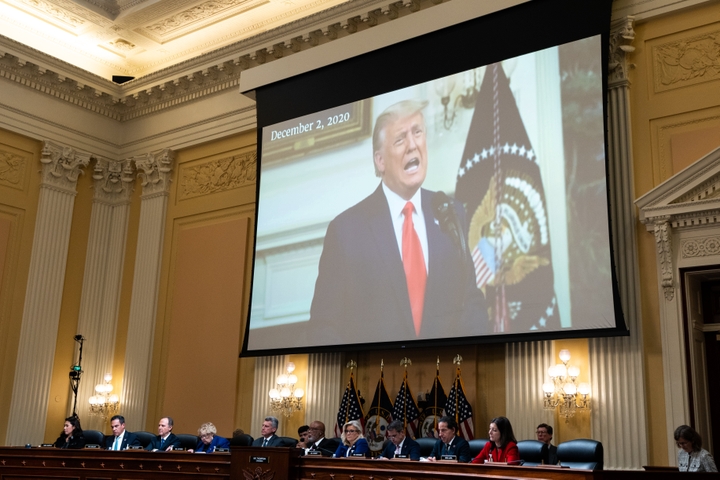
point(664, 254)
point(700, 247)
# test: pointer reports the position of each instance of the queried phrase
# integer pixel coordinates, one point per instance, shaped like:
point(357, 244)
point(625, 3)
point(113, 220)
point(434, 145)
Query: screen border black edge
point(283, 103)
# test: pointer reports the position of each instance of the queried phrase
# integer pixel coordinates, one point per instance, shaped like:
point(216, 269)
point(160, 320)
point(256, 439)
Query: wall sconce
point(285, 397)
point(563, 392)
point(103, 404)
point(466, 99)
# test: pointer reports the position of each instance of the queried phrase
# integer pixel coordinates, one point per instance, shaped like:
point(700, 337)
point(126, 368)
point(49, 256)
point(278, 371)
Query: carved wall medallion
point(701, 247)
point(258, 474)
point(218, 175)
point(688, 61)
point(12, 169)
point(122, 45)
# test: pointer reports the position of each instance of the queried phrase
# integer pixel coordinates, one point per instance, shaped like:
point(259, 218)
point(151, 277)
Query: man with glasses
point(121, 439)
point(399, 443)
point(316, 440)
point(449, 444)
point(544, 434)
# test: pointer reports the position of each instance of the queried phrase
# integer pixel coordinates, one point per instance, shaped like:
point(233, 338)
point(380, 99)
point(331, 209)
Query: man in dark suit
point(400, 444)
point(267, 432)
point(545, 434)
point(165, 439)
point(388, 269)
point(449, 443)
point(316, 440)
point(121, 439)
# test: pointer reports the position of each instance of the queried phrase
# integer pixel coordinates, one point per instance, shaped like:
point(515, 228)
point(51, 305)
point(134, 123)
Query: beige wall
point(19, 188)
point(675, 121)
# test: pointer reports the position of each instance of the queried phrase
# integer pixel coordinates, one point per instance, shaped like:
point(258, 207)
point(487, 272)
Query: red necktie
point(414, 263)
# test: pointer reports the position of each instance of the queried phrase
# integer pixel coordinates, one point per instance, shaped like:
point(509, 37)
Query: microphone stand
point(75, 374)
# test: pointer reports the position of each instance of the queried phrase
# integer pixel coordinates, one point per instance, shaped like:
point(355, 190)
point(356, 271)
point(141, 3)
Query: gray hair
point(396, 426)
point(274, 421)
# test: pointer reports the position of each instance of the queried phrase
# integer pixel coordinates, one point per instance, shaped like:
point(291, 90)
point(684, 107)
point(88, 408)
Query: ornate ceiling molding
point(194, 79)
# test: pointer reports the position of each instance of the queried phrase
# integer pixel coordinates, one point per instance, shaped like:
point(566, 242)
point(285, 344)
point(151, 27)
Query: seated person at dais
point(165, 439)
point(449, 443)
point(209, 439)
point(502, 446)
point(353, 441)
point(71, 435)
point(399, 443)
point(121, 439)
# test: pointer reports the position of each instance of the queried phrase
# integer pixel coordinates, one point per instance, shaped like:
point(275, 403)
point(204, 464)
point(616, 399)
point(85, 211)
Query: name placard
point(92, 445)
point(222, 449)
point(449, 458)
point(314, 453)
point(178, 449)
point(254, 459)
point(135, 447)
point(44, 445)
point(402, 456)
point(362, 455)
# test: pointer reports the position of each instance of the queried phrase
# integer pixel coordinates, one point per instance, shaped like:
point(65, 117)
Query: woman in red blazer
point(502, 446)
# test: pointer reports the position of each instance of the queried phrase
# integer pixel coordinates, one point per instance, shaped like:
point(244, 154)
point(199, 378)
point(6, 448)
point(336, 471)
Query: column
point(100, 300)
point(155, 171)
point(616, 363)
point(61, 166)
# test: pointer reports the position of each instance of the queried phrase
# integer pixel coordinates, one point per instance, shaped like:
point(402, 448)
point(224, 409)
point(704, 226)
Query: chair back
point(242, 440)
point(187, 441)
point(476, 446)
point(145, 438)
point(288, 442)
point(532, 452)
point(581, 453)
point(93, 437)
point(426, 445)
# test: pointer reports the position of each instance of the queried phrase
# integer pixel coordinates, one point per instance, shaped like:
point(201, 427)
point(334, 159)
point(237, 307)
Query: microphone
point(444, 209)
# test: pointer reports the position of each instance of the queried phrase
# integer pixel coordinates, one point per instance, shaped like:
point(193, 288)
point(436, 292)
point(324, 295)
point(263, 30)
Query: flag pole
point(437, 375)
point(351, 364)
point(382, 383)
point(457, 360)
point(405, 362)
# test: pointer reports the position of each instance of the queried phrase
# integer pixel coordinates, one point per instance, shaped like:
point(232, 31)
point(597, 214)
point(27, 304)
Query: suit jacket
point(361, 290)
point(76, 441)
point(275, 441)
point(409, 447)
point(360, 446)
point(217, 442)
point(552, 455)
point(458, 447)
point(157, 444)
point(128, 439)
point(326, 446)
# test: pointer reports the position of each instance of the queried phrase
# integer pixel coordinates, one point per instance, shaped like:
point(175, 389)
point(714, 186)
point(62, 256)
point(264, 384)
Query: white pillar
point(43, 297)
point(155, 172)
point(100, 300)
point(324, 389)
point(616, 363)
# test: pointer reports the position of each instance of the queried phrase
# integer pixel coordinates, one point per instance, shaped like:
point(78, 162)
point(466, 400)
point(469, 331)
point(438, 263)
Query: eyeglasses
point(206, 435)
point(313, 428)
point(352, 431)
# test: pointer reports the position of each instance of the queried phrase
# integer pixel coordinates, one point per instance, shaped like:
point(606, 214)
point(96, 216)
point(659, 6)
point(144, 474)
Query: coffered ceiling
point(139, 37)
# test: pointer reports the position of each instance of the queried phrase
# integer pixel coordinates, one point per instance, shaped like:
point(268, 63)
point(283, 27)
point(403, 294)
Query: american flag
point(406, 409)
point(350, 407)
point(458, 406)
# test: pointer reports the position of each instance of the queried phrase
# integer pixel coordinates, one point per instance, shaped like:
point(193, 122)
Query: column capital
point(155, 171)
point(113, 180)
point(61, 166)
point(621, 38)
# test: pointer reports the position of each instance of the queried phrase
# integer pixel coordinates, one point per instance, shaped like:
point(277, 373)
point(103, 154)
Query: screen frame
point(527, 24)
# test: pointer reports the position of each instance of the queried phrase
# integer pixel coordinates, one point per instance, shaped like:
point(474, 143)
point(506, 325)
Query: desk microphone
point(446, 215)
